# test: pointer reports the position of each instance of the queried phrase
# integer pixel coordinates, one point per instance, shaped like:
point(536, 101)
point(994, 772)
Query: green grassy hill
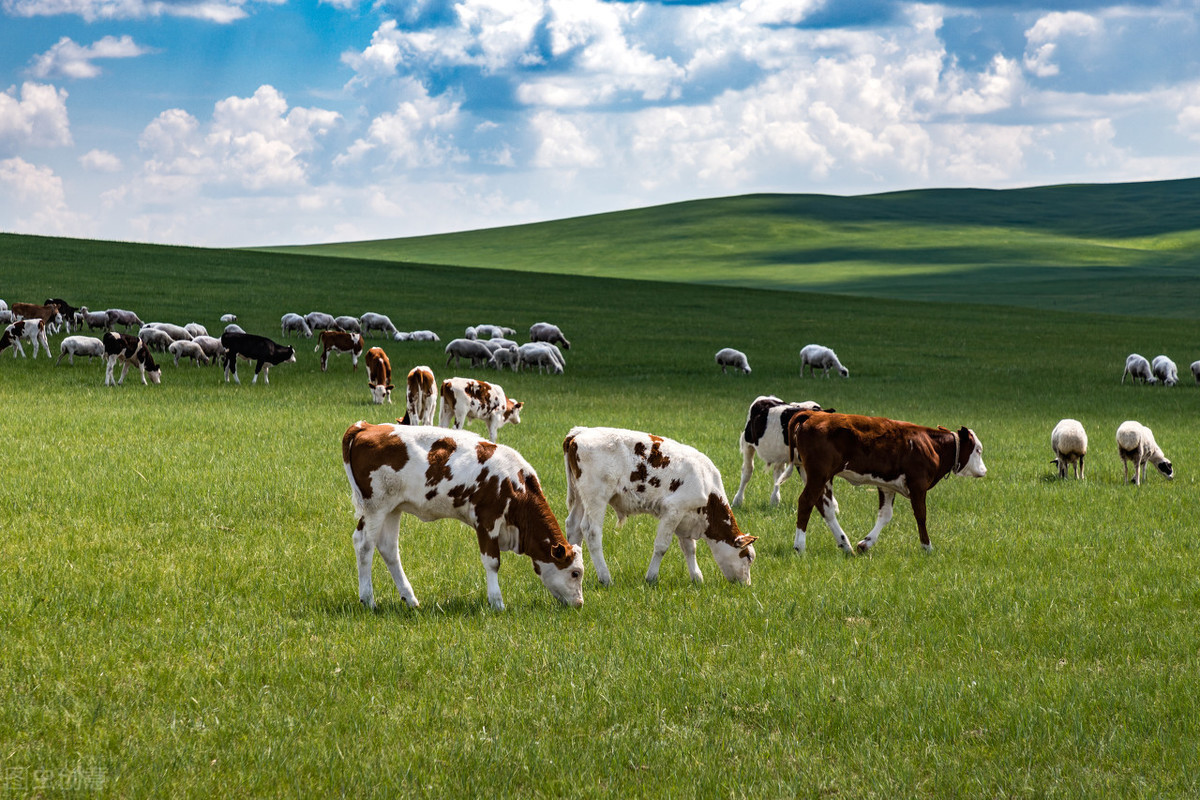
point(1120, 248)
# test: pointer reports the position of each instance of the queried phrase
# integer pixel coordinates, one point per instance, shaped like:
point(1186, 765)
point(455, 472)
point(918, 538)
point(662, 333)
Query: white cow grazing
point(638, 473)
point(433, 473)
point(466, 398)
point(766, 435)
point(1165, 370)
point(815, 356)
point(1138, 369)
point(1136, 443)
point(72, 346)
point(420, 396)
point(727, 357)
point(33, 330)
point(1069, 441)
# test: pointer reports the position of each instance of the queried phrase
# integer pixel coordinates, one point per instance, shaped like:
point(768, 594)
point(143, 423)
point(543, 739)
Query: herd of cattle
point(445, 472)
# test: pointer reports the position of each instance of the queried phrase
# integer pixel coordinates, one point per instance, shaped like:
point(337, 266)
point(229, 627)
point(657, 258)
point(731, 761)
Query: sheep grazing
point(1136, 443)
point(232, 327)
point(542, 355)
point(319, 320)
point(95, 320)
point(212, 347)
point(195, 329)
point(1069, 441)
point(493, 331)
point(546, 332)
point(1138, 368)
point(155, 338)
point(73, 346)
point(1196, 370)
point(1165, 370)
point(728, 357)
point(349, 324)
point(815, 356)
point(176, 332)
point(379, 322)
point(467, 348)
point(228, 318)
point(294, 322)
point(186, 349)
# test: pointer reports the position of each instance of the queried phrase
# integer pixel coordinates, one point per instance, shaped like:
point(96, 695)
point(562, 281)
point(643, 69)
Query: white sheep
point(155, 338)
point(503, 357)
point(294, 322)
point(1136, 443)
point(728, 357)
point(493, 331)
point(542, 355)
point(233, 327)
point(349, 324)
point(815, 356)
point(1138, 369)
point(548, 332)
point(319, 320)
point(212, 347)
point(176, 332)
point(1165, 370)
point(188, 349)
point(1069, 441)
point(372, 321)
point(73, 346)
point(424, 336)
point(227, 318)
point(459, 349)
point(196, 329)
point(1196, 370)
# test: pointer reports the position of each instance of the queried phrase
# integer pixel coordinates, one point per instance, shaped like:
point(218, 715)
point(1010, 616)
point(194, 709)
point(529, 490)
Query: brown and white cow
point(339, 342)
point(126, 348)
point(420, 397)
point(638, 473)
point(48, 314)
point(379, 375)
point(433, 473)
point(33, 330)
point(467, 398)
point(896, 457)
point(766, 435)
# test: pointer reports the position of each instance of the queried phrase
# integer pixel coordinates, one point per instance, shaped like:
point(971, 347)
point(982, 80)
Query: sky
point(262, 122)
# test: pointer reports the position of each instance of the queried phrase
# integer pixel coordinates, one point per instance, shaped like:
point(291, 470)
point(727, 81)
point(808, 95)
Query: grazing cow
point(48, 314)
point(67, 311)
point(895, 457)
point(637, 473)
point(766, 435)
point(467, 398)
point(73, 346)
point(379, 375)
point(125, 348)
point(420, 397)
point(259, 349)
point(433, 473)
point(339, 342)
point(33, 330)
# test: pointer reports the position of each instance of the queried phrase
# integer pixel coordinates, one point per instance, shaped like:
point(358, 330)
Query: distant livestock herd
point(445, 472)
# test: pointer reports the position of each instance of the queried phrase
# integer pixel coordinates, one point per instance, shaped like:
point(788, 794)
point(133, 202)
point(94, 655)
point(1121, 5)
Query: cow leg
point(111, 360)
point(364, 552)
point(124, 370)
point(257, 369)
point(688, 546)
point(886, 499)
point(324, 360)
point(589, 526)
point(388, 545)
point(45, 345)
point(781, 473)
point(917, 498)
point(142, 370)
point(354, 361)
point(489, 553)
point(829, 510)
point(17, 347)
point(662, 541)
point(493, 427)
point(747, 472)
point(812, 496)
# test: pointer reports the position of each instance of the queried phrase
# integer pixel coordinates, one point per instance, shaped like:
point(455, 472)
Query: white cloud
point(417, 134)
point(37, 118)
point(35, 198)
point(97, 10)
point(1042, 40)
point(71, 60)
point(100, 161)
point(561, 144)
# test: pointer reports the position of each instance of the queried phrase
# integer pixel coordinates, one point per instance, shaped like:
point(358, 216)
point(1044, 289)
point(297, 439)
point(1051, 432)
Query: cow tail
point(348, 441)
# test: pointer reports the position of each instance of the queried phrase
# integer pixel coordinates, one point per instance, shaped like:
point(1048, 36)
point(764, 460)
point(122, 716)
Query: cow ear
point(745, 540)
point(390, 387)
point(558, 551)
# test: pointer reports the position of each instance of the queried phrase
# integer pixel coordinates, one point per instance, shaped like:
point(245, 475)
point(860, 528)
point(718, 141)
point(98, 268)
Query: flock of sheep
point(1161, 370)
point(814, 356)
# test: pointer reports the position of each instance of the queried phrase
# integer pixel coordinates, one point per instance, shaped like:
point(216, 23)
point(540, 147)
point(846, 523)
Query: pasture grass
point(179, 604)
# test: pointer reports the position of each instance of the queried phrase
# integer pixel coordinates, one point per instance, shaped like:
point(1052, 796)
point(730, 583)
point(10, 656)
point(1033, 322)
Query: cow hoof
point(863, 547)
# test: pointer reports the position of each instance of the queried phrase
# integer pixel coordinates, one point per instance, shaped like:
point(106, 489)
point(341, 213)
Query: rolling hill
point(1116, 248)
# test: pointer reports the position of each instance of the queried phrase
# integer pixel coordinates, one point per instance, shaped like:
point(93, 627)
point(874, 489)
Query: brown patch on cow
point(420, 380)
point(540, 536)
point(640, 474)
point(366, 448)
point(512, 406)
point(439, 457)
point(571, 454)
point(655, 482)
point(675, 484)
point(484, 451)
point(479, 391)
point(722, 527)
point(656, 457)
point(447, 393)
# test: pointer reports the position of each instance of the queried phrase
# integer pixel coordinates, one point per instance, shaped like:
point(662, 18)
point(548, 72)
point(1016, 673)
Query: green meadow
point(179, 611)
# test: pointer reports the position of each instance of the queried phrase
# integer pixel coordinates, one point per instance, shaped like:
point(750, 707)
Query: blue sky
point(253, 122)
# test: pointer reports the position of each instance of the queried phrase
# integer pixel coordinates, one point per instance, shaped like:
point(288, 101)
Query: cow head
point(732, 549)
point(512, 412)
point(381, 392)
point(152, 370)
point(969, 461)
point(563, 576)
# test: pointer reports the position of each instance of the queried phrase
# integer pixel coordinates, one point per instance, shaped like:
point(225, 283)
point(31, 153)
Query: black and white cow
point(766, 435)
point(126, 348)
point(259, 349)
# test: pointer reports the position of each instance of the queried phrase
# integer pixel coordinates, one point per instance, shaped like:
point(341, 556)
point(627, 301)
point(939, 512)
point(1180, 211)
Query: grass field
point(179, 604)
